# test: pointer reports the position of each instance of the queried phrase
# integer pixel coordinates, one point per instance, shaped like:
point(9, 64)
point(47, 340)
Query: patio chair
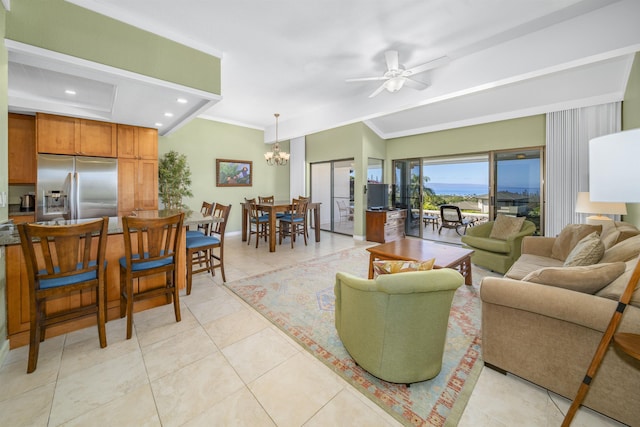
point(451, 217)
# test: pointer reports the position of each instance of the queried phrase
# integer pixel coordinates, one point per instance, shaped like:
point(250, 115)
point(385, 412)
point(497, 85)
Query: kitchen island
point(18, 283)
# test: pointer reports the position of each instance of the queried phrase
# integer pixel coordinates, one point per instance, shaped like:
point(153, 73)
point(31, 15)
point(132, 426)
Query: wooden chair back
point(151, 239)
point(65, 250)
point(64, 260)
point(266, 199)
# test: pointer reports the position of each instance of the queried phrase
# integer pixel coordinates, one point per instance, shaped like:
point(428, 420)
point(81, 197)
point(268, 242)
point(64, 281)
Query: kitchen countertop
point(9, 233)
point(14, 210)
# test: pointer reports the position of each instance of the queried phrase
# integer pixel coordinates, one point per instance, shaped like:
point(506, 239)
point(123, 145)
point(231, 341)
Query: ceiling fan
point(397, 76)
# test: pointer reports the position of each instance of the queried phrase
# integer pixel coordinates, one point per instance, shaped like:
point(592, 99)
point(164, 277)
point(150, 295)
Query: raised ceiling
point(507, 59)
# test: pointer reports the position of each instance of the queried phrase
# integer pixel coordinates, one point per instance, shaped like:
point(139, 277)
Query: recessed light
point(159, 125)
point(168, 114)
point(181, 101)
point(70, 92)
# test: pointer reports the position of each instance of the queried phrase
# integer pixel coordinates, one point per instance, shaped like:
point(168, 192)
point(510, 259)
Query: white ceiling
point(508, 58)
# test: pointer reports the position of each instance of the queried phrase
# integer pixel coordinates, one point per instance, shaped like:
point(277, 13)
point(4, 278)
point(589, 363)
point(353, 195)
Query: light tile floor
point(225, 365)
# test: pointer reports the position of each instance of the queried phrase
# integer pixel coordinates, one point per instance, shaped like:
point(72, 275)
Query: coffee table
point(446, 256)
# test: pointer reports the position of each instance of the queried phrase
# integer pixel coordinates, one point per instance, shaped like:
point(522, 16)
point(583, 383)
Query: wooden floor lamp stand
point(604, 344)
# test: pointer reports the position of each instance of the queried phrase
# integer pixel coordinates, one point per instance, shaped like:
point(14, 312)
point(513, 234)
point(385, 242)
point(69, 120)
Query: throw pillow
point(623, 251)
point(569, 238)
point(615, 289)
point(619, 232)
point(586, 279)
point(588, 251)
point(391, 267)
point(505, 226)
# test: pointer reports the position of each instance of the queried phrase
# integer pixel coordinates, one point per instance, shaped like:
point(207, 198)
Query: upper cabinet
point(22, 149)
point(69, 135)
point(137, 143)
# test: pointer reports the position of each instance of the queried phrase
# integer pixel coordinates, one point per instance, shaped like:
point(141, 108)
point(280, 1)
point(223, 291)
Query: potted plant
point(174, 180)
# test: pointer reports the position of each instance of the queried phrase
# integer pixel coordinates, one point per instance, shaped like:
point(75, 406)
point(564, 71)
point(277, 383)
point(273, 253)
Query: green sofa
point(395, 326)
point(495, 254)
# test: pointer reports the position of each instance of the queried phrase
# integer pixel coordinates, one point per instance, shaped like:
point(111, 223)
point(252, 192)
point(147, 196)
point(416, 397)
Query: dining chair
point(308, 200)
point(269, 199)
point(150, 246)
point(202, 229)
point(64, 260)
point(294, 223)
point(258, 223)
point(200, 249)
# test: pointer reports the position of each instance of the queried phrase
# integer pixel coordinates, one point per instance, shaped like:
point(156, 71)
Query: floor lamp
point(613, 177)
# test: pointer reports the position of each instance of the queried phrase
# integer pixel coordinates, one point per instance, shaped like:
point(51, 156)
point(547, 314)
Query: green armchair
point(395, 326)
point(495, 254)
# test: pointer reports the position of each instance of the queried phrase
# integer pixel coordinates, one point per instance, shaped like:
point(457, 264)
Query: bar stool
point(64, 260)
point(200, 249)
point(150, 246)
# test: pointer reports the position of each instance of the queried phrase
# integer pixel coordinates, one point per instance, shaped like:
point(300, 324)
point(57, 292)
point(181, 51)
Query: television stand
point(385, 225)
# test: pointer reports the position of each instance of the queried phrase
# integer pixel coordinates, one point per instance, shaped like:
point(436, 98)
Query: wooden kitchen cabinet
point(137, 142)
point(97, 139)
point(137, 185)
point(385, 226)
point(73, 136)
point(22, 149)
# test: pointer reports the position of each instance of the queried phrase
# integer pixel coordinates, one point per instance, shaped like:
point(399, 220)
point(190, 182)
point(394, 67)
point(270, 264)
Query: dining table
point(272, 209)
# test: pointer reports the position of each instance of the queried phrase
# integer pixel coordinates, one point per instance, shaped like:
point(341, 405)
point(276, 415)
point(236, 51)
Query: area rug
point(300, 301)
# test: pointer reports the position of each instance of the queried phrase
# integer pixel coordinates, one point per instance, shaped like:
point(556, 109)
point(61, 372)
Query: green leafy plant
point(174, 179)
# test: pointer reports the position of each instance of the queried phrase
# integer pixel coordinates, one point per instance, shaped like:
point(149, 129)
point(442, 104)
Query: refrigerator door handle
point(76, 195)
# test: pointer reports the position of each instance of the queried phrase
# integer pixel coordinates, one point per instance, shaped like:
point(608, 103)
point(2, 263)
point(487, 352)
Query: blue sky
point(463, 173)
point(511, 173)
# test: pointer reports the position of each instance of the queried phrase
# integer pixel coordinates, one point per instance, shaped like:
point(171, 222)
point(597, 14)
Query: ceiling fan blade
point(392, 59)
point(427, 66)
point(366, 79)
point(415, 84)
point(377, 91)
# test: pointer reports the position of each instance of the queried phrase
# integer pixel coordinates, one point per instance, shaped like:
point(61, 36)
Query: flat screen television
point(377, 196)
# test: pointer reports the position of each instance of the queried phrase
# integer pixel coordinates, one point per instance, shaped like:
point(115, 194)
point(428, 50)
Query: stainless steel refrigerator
point(75, 187)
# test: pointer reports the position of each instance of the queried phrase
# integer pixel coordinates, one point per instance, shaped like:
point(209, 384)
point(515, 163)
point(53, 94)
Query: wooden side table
point(629, 343)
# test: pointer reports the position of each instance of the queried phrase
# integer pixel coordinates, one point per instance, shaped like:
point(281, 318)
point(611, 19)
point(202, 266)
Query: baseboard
point(495, 368)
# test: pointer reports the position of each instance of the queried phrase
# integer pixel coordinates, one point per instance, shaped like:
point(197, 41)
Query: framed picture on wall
point(234, 173)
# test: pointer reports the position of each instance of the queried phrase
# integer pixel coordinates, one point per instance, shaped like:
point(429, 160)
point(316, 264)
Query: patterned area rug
point(300, 300)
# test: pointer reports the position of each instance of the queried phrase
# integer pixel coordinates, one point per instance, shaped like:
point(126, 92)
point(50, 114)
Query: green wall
point(4, 185)
point(63, 27)
point(631, 120)
point(351, 141)
point(516, 133)
point(204, 141)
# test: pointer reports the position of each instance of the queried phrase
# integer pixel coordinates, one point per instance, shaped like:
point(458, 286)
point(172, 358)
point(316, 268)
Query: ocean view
point(473, 189)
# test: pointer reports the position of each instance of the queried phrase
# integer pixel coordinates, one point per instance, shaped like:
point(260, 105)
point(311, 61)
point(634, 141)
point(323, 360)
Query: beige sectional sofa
point(547, 332)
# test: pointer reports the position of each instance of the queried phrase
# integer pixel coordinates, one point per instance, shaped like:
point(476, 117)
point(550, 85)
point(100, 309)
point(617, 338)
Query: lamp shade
point(614, 175)
point(585, 205)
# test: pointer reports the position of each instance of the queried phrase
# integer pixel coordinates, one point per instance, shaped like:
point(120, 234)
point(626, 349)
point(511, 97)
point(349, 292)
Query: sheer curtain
point(567, 158)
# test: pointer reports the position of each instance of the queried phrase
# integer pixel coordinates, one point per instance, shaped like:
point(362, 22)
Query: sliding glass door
point(407, 192)
point(481, 185)
point(518, 188)
point(332, 186)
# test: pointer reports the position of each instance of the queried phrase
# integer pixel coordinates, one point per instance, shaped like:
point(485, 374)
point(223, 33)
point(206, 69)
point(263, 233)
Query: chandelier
point(276, 157)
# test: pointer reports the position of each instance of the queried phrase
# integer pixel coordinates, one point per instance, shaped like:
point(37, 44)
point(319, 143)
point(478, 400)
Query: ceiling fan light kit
point(396, 76)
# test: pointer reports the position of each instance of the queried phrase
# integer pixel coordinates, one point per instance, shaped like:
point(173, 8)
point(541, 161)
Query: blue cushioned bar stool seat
point(150, 246)
point(64, 260)
point(200, 249)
